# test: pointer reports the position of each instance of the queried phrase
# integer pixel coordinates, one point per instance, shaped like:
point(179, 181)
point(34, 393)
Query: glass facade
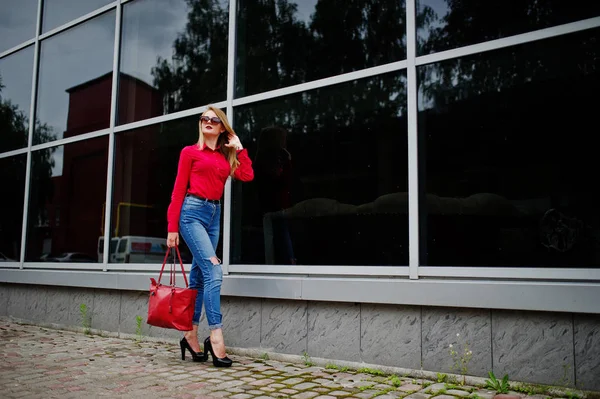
point(461, 156)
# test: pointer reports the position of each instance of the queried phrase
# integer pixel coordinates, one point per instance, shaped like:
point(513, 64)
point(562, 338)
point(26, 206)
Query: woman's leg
point(195, 227)
point(197, 283)
point(216, 334)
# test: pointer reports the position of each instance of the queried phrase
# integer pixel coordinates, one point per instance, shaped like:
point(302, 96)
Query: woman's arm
point(179, 190)
point(244, 171)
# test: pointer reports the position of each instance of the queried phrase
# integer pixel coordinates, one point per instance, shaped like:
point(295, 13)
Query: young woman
point(195, 212)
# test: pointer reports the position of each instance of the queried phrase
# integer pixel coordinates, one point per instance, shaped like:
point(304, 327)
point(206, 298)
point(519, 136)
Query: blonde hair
point(229, 152)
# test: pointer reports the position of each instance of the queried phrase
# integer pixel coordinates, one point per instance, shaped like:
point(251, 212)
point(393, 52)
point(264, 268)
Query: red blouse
point(203, 172)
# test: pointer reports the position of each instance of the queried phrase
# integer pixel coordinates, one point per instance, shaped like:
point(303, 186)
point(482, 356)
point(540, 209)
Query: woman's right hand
point(172, 240)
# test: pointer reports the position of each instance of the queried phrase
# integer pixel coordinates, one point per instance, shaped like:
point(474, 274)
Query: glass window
point(15, 98)
point(17, 22)
point(12, 176)
point(174, 57)
point(59, 12)
point(508, 155)
point(146, 162)
point(447, 24)
point(330, 181)
point(71, 178)
point(75, 80)
point(283, 43)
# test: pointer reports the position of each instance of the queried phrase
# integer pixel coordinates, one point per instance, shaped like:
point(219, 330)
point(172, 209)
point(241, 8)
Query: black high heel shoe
point(217, 361)
point(196, 356)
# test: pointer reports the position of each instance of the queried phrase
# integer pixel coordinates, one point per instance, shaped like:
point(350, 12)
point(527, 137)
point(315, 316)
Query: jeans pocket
point(193, 204)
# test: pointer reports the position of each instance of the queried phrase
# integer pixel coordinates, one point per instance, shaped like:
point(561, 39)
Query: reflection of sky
point(305, 9)
point(71, 58)
point(59, 12)
point(150, 28)
point(57, 170)
point(16, 71)
point(17, 22)
point(440, 8)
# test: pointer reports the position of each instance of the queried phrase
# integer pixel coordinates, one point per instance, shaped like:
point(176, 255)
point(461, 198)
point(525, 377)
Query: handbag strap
point(172, 273)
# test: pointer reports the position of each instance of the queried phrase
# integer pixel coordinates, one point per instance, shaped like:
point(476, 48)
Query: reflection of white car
point(4, 258)
point(78, 257)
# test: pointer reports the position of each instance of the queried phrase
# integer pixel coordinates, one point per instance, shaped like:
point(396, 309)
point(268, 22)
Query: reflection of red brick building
point(76, 211)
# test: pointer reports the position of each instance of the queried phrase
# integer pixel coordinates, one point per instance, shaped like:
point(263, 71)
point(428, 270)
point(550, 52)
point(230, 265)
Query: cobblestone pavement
point(38, 362)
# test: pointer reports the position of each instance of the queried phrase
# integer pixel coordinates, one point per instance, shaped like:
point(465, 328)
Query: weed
point(365, 387)
point(332, 366)
point(307, 361)
point(571, 395)
point(382, 392)
point(264, 356)
point(441, 377)
point(500, 386)
point(85, 320)
point(367, 370)
point(461, 359)
point(138, 328)
point(395, 380)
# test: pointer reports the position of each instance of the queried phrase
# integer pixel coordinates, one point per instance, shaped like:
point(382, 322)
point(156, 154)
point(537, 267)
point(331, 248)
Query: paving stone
point(418, 395)
point(305, 385)
point(241, 396)
point(72, 365)
point(305, 395)
point(458, 392)
point(292, 381)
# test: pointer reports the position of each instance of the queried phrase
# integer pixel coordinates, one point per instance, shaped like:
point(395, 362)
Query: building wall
point(537, 347)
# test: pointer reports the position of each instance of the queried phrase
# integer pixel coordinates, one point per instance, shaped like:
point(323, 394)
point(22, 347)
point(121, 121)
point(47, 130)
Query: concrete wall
point(537, 347)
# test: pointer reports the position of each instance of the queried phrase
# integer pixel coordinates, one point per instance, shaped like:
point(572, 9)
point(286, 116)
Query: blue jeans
point(199, 225)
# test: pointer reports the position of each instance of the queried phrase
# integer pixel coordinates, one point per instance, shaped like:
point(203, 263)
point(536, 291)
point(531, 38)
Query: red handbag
point(170, 306)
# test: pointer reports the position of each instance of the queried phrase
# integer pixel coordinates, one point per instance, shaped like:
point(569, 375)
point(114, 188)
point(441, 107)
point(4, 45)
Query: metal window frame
point(339, 274)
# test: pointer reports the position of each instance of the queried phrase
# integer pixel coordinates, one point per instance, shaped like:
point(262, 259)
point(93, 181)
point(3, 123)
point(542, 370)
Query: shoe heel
point(182, 350)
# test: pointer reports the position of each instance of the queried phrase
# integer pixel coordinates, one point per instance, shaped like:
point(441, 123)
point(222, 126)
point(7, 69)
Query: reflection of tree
point(199, 63)
point(472, 21)
point(509, 122)
point(275, 42)
point(14, 130)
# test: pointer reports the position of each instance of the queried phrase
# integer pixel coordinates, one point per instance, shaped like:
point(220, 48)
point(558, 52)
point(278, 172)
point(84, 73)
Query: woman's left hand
point(234, 142)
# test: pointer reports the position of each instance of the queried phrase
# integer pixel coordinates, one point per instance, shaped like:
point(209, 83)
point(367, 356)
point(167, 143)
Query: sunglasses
point(208, 119)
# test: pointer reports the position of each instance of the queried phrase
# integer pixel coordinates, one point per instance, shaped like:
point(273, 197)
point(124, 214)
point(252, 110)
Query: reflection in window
point(174, 57)
point(509, 156)
point(59, 12)
point(283, 43)
point(446, 24)
point(17, 22)
point(330, 181)
point(75, 80)
point(12, 178)
point(15, 97)
point(146, 162)
point(66, 202)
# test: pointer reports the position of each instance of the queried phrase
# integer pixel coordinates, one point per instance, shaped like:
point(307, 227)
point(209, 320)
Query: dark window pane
point(447, 24)
point(75, 80)
point(66, 202)
point(282, 43)
point(12, 176)
point(174, 57)
point(15, 99)
point(508, 144)
point(146, 162)
point(59, 12)
point(17, 22)
point(330, 181)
